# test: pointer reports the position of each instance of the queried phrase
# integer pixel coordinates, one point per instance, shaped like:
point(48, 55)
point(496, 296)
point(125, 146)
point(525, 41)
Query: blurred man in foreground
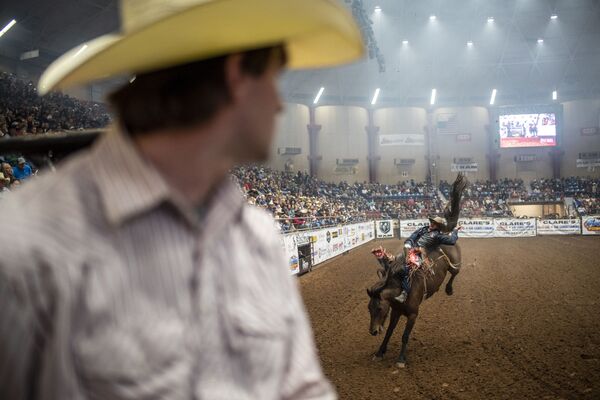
point(144, 274)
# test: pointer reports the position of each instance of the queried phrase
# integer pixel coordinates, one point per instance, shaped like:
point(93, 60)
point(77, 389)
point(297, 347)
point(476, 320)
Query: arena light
point(470, 43)
point(490, 19)
point(405, 42)
point(433, 94)
point(319, 95)
point(493, 98)
point(554, 95)
point(81, 50)
point(540, 41)
point(7, 27)
point(554, 16)
point(375, 96)
point(377, 9)
point(432, 17)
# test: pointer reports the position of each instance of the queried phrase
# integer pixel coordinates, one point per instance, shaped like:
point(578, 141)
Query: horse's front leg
point(410, 323)
point(388, 334)
point(449, 288)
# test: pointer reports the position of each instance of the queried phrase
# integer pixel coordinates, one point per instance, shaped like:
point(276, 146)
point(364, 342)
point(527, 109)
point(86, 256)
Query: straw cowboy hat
point(157, 34)
point(438, 220)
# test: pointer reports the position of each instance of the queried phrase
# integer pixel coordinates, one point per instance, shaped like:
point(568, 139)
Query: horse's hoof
point(449, 292)
point(377, 358)
point(400, 364)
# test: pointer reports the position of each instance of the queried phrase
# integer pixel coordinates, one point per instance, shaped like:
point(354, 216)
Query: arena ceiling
point(505, 53)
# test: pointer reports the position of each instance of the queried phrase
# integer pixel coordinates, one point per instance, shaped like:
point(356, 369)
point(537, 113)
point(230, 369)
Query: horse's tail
point(452, 209)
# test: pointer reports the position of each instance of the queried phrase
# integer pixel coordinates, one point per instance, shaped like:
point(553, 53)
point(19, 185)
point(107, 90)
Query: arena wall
point(472, 121)
point(291, 132)
point(578, 115)
point(401, 121)
point(342, 135)
point(540, 168)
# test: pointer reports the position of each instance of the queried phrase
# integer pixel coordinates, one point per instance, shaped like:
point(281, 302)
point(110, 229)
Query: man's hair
point(183, 95)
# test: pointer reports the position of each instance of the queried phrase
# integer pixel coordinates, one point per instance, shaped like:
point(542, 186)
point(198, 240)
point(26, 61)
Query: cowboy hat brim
point(315, 33)
point(437, 220)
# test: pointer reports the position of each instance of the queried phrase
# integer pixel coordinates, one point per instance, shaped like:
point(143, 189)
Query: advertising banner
point(290, 247)
point(588, 162)
point(470, 167)
point(477, 228)
point(559, 226)
point(463, 137)
point(590, 225)
point(508, 227)
point(384, 228)
point(402, 140)
point(447, 124)
point(327, 243)
point(408, 226)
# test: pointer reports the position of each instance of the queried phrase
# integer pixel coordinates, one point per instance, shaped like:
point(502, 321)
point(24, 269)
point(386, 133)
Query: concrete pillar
point(313, 133)
point(431, 155)
point(372, 143)
point(555, 159)
point(492, 155)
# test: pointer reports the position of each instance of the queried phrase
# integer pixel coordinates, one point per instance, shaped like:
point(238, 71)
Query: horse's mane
point(386, 276)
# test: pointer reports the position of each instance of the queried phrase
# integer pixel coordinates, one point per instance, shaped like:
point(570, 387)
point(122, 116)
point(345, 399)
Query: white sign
point(402, 140)
point(384, 228)
point(408, 226)
point(588, 162)
point(447, 124)
point(559, 226)
point(590, 225)
point(290, 248)
point(507, 227)
point(477, 228)
point(470, 167)
point(327, 243)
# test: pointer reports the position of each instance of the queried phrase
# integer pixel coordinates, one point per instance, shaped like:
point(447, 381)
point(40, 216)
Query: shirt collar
point(130, 186)
point(127, 183)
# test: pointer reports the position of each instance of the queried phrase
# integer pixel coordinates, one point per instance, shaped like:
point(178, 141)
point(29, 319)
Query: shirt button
point(196, 256)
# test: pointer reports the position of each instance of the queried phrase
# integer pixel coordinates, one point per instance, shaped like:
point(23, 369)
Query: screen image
point(527, 130)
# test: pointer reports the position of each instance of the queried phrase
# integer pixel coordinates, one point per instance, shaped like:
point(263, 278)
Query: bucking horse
point(424, 282)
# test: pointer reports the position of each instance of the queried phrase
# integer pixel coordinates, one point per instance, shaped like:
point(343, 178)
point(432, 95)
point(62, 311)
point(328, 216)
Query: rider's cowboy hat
point(157, 34)
point(438, 220)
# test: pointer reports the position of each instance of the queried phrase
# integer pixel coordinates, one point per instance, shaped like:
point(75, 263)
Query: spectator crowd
point(23, 112)
point(299, 201)
point(296, 200)
point(11, 176)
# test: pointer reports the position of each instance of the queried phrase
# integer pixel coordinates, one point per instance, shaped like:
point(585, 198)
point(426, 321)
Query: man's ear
point(234, 76)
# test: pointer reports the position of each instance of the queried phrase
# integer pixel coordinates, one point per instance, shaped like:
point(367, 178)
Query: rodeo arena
point(300, 199)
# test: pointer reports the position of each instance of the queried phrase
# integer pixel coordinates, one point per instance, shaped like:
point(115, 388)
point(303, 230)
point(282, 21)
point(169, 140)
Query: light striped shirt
point(112, 288)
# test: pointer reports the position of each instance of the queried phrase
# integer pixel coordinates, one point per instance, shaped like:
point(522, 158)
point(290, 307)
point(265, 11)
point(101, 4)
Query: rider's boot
point(401, 297)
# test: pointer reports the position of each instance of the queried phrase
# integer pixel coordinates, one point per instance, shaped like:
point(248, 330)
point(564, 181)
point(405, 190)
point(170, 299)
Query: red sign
point(463, 137)
point(590, 131)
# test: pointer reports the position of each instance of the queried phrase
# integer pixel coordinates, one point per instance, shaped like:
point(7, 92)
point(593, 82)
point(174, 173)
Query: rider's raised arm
point(448, 239)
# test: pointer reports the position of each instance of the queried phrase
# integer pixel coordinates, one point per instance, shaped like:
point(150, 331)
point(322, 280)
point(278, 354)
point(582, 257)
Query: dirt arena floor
point(523, 323)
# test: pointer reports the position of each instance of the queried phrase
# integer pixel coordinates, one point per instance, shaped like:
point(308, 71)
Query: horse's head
point(379, 309)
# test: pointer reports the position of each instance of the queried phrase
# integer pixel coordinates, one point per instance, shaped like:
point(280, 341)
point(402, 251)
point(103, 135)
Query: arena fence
point(305, 249)
point(508, 227)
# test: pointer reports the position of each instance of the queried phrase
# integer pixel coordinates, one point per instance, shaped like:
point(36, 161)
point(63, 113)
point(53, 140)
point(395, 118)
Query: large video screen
point(527, 130)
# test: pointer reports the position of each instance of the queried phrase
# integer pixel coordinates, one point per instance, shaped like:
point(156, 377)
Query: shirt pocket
point(258, 334)
point(137, 354)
